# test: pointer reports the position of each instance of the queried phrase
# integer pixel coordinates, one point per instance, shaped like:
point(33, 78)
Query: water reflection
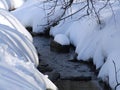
point(78, 85)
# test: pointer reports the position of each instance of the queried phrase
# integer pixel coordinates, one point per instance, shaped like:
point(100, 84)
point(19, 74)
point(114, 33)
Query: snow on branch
point(116, 78)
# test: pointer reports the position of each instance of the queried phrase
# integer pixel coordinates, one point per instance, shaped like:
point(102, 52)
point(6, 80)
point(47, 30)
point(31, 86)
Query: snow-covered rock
point(60, 44)
point(62, 39)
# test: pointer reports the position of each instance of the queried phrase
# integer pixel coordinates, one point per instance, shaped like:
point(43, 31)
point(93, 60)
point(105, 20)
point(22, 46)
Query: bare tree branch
point(116, 78)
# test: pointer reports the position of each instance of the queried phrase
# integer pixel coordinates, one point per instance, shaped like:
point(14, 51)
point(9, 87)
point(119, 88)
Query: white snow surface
point(7, 19)
point(11, 4)
point(110, 71)
point(62, 39)
point(18, 61)
point(100, 42)
point(18, 56)
point(4, 4)
point(38, 20)
point(92, 40)
point(19, 45)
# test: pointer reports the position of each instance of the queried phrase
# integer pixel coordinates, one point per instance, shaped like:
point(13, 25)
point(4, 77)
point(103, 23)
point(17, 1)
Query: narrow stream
point(65, 74)
point(78, 85)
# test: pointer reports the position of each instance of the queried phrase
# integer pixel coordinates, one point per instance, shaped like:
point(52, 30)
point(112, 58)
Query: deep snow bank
point(7, 19)
point(100, 42)
point(11, 4)
point(41, 18)
point(18, 59)
point(92, 40)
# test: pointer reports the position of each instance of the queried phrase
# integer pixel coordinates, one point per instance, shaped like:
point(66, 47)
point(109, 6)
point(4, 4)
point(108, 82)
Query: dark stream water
point(78, 85)
point(65, 74)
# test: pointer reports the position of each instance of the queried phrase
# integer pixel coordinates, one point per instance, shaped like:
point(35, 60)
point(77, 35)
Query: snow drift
point(18, 59)
point(42, 18)
point(7, 19)
point(11, 4)
point(97, 41)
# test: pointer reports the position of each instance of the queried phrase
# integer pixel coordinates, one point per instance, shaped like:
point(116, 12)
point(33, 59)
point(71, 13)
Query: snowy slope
point(100, 42)
point(18, 61)
point(7, 19)
point(40, 20)
point(11, 4)
point(18, 44)
point(91, 39)
point(18, 57)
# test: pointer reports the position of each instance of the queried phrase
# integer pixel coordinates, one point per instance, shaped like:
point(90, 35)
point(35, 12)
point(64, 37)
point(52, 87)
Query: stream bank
point(65, 74)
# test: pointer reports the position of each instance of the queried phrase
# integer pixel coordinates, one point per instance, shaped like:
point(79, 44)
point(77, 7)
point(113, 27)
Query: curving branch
point(116, 78)
point(88, 6)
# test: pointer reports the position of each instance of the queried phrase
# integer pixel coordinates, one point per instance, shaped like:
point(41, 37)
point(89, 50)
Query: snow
point(18, 61)
point(17, 3)
point(19, 75)
point(11, 4)
point(20, 45)
point(62, 39)
point(100, 42)
point(4, 4)
point(91, 39)
point(7, 19)
point(108, 73)
point(18, 56)
point(38, 20)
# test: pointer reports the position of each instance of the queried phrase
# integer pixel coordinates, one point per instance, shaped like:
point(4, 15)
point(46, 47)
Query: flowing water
point(65, 74)
point(78, 85)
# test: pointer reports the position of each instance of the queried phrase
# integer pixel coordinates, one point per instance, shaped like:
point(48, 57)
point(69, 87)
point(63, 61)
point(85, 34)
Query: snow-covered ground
point(41, 17)
point(18, 57)
point(91, 39)
point(18, 61)
point(7, 19)
point(11, 4)
point(100, 42)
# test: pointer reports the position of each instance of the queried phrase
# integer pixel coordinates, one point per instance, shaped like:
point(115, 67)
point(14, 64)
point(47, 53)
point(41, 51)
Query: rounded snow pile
point(18, 58)
point(62, 39)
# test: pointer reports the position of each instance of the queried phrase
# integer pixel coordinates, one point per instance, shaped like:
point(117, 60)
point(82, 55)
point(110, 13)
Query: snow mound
point(62, 39)
point(98, 41)
point(11, 4)
point(18, 62)
point(20, 75)
point(17, 3)
point(40, 20)
point(4, 4)
point(7, 19)
point(20, 45)
point(110, 71)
